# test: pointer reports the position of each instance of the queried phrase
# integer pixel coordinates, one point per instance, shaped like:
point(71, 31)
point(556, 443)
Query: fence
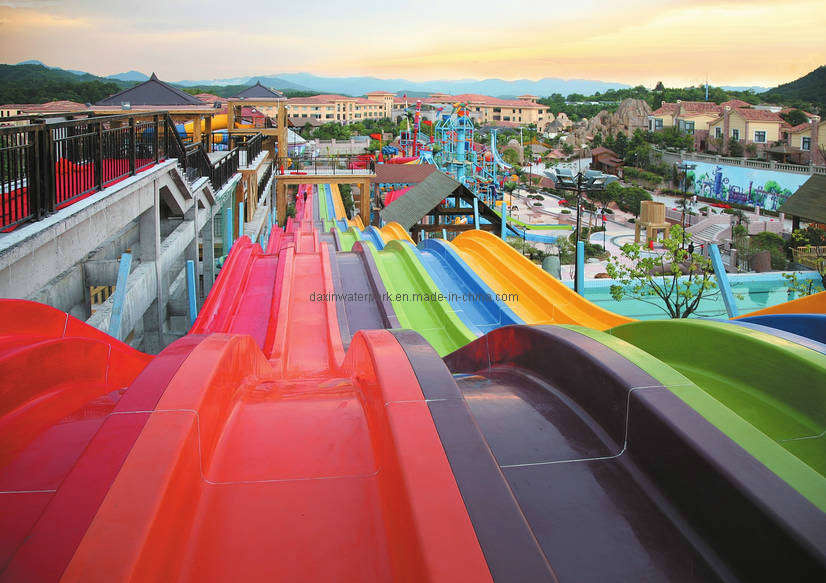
point(744, 162)
point(333, 165)
point(810, 256)
point(47, 166)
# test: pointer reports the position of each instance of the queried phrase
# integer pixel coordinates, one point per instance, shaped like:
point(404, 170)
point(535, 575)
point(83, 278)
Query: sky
point(679, 42)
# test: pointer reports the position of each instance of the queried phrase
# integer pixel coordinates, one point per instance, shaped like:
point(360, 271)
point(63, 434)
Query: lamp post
point(684, 167)
point(587, 182)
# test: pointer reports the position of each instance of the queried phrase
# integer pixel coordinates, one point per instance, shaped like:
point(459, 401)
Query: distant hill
point(36, 83)
point(266, 80)
point(810, 88)
point(495, 87)
point(129, 76)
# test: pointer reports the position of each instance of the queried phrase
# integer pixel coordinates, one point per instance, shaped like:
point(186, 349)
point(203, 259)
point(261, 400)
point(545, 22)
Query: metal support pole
point(159, 279)
point(227, 230)
point(475, 213)
point(504, 219)
point(723, 281)
point(241, 219)
point(579, 276)
point(115, 320)
point(444, 234)
point(191, 291)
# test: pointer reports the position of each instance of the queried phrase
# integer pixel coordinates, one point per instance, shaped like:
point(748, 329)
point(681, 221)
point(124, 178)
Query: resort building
point(340, 108)
point(493, 111)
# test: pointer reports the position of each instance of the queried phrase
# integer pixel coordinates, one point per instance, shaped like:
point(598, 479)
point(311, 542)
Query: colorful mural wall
point(767, 189)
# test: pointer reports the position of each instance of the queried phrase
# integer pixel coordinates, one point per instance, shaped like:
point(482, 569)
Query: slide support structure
point(191, 292)
point(228, 230)
point(504, 220)
point(723, 281)
point(119, 296)
point(475, 213)
point(579, 276)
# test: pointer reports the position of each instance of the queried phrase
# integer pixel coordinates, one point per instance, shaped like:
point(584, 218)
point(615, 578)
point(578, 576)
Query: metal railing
point(45, 166)
point(744, 162)
point(262, 183)
point(333, 165)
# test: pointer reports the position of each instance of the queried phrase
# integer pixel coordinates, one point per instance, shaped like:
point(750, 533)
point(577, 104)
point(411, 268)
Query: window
point(760, 137)
point(735, 135)
point(805, 143)
point(658, 123)
point(718, 132)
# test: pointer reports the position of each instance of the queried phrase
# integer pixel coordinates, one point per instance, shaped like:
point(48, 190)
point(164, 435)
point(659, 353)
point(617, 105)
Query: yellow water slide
point(813, 304)
point(338, 205)
point(538, 297)
point(394, 230)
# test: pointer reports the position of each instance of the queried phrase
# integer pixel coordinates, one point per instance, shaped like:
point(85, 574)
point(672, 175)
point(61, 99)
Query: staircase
point(710, 233)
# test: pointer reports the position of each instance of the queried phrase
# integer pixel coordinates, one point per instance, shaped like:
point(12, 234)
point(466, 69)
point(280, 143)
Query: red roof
point(666, 108)
point(210, 98)
point(380, 93)
point(49, 107)
point(735, 103)
point(477, 99)
point(758, 114)
point(799, 127)
point(598, 151)
point(699, 107)
point(389, 197)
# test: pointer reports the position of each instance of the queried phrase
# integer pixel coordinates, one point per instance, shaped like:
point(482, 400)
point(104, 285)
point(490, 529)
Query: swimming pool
point(753, 291)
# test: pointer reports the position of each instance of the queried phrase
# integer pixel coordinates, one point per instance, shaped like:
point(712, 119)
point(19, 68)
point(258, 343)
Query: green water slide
point(323, 211)
point(414, 296)
point(348, 238)
point(765, 393)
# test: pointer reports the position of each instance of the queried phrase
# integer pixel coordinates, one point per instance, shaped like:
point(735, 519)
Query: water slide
point(773, 385)
point(811, 326)
point(414, 297)
point(374, 236)
point(346, 239)
point(600, 454)
point(534, 295)
point(470, 297)
point(813, 304)
point(362, 302)
point(338, 205)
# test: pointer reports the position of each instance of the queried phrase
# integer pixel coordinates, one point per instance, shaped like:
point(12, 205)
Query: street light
point(587, 181)
point(684, 167)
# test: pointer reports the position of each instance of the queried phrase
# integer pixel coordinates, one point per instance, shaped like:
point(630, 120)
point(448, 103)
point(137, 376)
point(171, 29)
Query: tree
point(511, 157)
point(795, 117)
point(620, 144)
point(630, 199)
point(597, 141)
point(677, 278)
point(735, 149)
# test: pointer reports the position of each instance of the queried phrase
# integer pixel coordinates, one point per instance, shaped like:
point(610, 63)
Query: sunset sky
point(755, 42)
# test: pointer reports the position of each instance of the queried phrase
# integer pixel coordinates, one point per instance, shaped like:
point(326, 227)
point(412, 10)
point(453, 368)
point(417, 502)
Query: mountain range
point(362, 85)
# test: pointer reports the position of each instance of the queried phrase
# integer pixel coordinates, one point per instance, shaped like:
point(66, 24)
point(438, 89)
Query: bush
point(537, 204)
point(565, 212)
point(639, 173)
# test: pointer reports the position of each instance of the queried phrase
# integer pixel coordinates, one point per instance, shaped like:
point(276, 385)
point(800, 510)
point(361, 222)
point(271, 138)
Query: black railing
point(46, 166)
point(345, 164)
point(262, 183)
point(223, 169)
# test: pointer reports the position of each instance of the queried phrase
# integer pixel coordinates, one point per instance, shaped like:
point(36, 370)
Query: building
point(605, 160)
point(340, 108)
point(747, 126)
point(50, 108)
point(486, 110)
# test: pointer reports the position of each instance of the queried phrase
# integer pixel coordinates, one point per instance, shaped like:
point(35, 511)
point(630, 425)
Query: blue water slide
point(777, 333)
point(373, 235)
point(812, 326)
point(342, 225)
point(469, 296)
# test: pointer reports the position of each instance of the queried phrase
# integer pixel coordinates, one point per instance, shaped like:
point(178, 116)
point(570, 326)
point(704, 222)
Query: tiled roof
point(809, 201)
point(402, 173)
point(799, 127)
point(477, 99)
point(699, 107)
point(598, 151)
point(380, 93)
point(151, 92)
point(758, 114)
point(210, 98)
point(666, 108)
point(49, 107)
point(258, 91)
point(735, 103)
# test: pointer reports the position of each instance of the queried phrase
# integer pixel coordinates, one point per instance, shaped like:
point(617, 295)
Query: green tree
point(735, 149)
point(659, 279)
point(795, 117)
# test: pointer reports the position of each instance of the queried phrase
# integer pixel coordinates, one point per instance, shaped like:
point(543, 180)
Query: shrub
point(537, 204)
point(565, 212)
